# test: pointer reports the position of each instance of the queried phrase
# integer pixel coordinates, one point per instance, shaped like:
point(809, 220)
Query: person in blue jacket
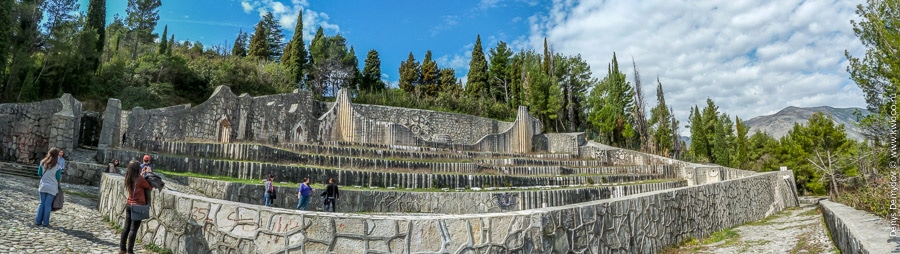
point(303, 194)
point(50, 173)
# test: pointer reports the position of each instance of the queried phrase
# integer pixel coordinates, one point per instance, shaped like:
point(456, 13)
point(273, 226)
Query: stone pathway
point(75, 229)
point(798, 230)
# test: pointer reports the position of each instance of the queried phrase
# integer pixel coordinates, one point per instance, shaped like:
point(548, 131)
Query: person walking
point(62, 159)
point(303, 194)
point(50, 173)
point(135, 186)
point(331, 194)
point(270, 190)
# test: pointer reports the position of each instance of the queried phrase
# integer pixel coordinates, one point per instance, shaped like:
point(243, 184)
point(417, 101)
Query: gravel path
point(74, 229)
point(798, 230)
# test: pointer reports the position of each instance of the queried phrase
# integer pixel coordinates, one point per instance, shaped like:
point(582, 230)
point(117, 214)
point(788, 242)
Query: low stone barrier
point(76, 172)
point(377, 178)
point(400, 201)
point(642, 223)
point(854, 231)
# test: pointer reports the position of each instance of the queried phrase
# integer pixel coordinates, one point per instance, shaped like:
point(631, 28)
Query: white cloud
point(751, 57)
point(285, 13)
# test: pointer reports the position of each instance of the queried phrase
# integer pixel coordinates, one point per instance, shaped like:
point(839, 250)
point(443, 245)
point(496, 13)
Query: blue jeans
point(304, 200)
point(268, 199)
point(43, 212)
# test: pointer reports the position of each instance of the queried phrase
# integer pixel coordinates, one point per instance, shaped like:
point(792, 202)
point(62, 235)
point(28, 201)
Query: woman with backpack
point(50, 173)
point(135, 186)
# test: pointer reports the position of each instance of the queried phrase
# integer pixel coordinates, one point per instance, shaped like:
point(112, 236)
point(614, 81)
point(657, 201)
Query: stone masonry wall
point(462, 129)
point(855, 231)
point(377, 178)
point(642, 223)
point(28, 130)
point(401, 201)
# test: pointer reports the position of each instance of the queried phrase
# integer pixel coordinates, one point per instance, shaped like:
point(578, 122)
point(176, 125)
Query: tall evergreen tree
point(6, 34)
point(96, 21)
point(448, 80)
point(274, 37)
point(478, 75)
point(142, 18)
point(352, 64)
point(640, 119)
point(500, 70)
point(430, 76)
point(163, 42)
point(699, 144)
point(409, 74)
point(741, 144)
point(297, 56)
point(371, 80)
point(661, 119)
point(611, 109)
point(240, 45)
point(259, 47)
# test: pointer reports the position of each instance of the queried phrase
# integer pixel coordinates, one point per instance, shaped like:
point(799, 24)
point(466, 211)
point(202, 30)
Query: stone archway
point(224, 134)
point(299, 134)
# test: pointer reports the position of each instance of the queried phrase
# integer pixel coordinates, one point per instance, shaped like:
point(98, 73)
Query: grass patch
point(115, 226)
point(811, 212)
point(152, 247)
point(746, 246)
point(80, 194)
point(689, 245)
point(770, 220)
point(728, 235)
point(806, 245)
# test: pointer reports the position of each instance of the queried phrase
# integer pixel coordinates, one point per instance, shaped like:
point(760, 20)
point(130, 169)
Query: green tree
point(351, 63)
point(500, 71)
point(96, 21)
point(258, 44)
point(274, 37)
point(409, 74)
point(699, 149)
point(296, 57)
point(371, 80)
point(448, 81)
point(142, 18)
point(478, 75)
point(741, 145)
point(610, 107)
point(660, 120)
point(821, 146)
point(240, 45)
point(162, 43)
point(430, 76)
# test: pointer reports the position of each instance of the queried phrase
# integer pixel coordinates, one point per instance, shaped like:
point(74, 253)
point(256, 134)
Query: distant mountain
point(780, 123)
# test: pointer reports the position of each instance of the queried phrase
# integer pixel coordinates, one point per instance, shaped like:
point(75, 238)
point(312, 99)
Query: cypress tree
point(371, 79)
point(478, 75)
point(274, 37)
point(499, 70)
point(96, 20)
point(296, 56)
point(6, 33)
point(258, 45)
point(162, 43)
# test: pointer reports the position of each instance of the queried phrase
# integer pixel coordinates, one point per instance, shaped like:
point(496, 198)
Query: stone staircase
point(18, 170)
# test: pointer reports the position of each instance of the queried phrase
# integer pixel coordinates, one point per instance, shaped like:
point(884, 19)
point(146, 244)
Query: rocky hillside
point(780, 123)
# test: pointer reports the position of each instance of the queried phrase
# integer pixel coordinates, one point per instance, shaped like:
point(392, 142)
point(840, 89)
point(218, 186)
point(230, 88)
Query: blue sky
point(752, 57)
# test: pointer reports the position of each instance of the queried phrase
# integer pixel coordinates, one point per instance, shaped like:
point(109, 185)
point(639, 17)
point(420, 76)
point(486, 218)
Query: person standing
point(50, 172)
point(113, 166)
point(303, 194)
point(62, 160)
point(146, 163)
point(135, 186)
point(270, 190)
point(331, 194)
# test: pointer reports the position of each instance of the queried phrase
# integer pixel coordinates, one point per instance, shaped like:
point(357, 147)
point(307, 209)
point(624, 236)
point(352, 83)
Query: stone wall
point(28, 130)
point(376, 178)
point(406, 201)
point(641, 223)
point(461, 129)
point(566, 143)
point(76, 172)
point(854, 231)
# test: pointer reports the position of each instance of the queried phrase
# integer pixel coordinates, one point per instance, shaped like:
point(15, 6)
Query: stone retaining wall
point(377, 178)
point(28, 130)
point(641, 223)
point(854, 231)
point(400, 201)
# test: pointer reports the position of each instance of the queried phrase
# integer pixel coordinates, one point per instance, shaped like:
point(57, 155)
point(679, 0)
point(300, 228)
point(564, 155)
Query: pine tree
point(448, 80)
point(274, 37)
point(6, 35)
point(660, 117)
point(699, 143)
point(371, 80)
point(499, 70)
point(478, 75)
point(296, 56)
point(142, 18)
point(240, 45)
point(258, 45)
point(611, 107)
point(409, 74)
point(162, 43)
point(352, 65)
point(430, 76)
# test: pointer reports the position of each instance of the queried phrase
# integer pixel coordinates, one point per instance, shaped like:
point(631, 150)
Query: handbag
point(139, 212)
point(58, 200)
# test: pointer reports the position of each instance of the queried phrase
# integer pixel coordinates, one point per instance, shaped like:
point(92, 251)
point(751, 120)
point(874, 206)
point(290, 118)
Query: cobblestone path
point(797, 230)
point(77, 228)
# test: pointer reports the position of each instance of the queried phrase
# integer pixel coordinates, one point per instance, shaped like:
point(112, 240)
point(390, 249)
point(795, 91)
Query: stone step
point(19, 170)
